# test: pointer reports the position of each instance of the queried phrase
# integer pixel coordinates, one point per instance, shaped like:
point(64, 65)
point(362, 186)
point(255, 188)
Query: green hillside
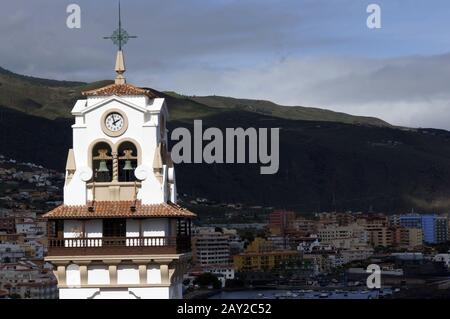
point(286, 112)
point(54, 99)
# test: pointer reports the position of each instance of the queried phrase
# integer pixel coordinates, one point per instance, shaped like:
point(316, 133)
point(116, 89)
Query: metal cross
point(120, 36)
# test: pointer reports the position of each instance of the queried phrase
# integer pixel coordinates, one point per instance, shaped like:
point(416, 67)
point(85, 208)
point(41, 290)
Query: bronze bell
point(102, 168)
point(127, 166)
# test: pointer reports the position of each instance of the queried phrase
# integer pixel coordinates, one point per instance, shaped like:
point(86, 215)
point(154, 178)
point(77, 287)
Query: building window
point(127, 162)
point(114, 227)
point(56, 228)
point(102, 163)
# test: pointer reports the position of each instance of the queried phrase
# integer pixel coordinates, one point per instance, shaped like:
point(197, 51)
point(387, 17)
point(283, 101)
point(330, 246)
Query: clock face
point(114, 122)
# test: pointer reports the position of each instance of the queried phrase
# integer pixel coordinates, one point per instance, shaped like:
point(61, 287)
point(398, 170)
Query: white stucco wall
point(76, 293)
point(151, 227)
point(127, 274)
point(73, 275)
point(94, 228)
point(98, 275)
point(119, 293)
point(143, 117)
point(132, 228)
point(155, 227)
point(153, 274)
point(72, 228)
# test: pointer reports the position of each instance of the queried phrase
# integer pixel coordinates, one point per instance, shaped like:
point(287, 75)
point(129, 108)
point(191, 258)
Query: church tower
point(119, 233)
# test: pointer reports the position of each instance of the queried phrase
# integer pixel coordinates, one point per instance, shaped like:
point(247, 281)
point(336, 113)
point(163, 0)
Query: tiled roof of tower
point(119, 90)
point(118, 209)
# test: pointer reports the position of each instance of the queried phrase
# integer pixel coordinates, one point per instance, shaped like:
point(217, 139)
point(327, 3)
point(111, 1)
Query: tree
point(206, 279)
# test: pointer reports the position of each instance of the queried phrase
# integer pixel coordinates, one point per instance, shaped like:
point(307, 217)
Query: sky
point(317, 53)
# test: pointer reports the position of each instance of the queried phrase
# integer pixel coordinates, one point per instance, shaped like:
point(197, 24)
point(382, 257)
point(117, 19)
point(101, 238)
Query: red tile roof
point(119, 209)
point(119, 89)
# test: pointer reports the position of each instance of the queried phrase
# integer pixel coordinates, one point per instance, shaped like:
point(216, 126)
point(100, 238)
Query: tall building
point(434, 227)
point(411, 237)
point(119, 233)
point(380, 234)
point(281, 222)
point(305, 227)
point(343, 236)
point(211, 246)
point(409, 221)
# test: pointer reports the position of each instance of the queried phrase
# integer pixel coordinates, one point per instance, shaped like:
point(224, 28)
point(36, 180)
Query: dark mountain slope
point(323, 165)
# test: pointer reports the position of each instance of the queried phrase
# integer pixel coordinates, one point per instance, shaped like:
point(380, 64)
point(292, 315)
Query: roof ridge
point(119, 89)
point(106, 209)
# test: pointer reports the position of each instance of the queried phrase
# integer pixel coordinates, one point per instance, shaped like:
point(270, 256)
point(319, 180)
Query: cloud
point(315, 53)
point(410, 91)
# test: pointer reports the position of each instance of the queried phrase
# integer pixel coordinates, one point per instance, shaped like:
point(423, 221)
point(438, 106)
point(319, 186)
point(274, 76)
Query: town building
point(8, 225)
point(27, 280)
point(281, 222)
point(304, 226)
point(211, 246)
point(411, 238)
point(260, 256)
point(434, 227)
point(343, 237)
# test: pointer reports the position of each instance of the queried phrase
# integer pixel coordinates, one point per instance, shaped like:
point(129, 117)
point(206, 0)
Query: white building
point(356, 254)
point(443, 258)
point(119, 233)
point(222, 272)
point(343, 236)
point(211, 247)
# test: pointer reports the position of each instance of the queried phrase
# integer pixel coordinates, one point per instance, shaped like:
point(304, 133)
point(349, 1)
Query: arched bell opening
point(102, 163)
point(128, 161)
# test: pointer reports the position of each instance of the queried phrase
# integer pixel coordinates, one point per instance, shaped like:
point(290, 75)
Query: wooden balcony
point(102, 246)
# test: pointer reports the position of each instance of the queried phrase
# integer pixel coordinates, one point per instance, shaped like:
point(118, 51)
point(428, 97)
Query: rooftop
point(119, 90)
point(119, 209)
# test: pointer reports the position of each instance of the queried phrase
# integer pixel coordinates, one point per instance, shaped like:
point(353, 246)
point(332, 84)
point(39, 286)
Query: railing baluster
point(180, 243)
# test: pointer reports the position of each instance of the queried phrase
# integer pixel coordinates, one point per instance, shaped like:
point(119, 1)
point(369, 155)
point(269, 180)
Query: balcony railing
point(118, 245)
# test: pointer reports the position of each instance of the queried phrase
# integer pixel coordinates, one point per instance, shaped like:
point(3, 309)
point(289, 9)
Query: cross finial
point(120, 37)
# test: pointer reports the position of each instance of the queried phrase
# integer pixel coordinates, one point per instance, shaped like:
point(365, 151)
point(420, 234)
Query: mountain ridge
point(52, 99)
point(324, 165)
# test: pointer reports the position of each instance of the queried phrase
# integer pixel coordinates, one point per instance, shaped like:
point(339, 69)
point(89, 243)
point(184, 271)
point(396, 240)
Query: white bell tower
point(120, 232)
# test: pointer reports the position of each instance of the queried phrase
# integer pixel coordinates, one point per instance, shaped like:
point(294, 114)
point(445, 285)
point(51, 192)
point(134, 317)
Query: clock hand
point(114, 122)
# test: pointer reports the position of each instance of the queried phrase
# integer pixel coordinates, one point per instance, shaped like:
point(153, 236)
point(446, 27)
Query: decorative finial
point(120, 37)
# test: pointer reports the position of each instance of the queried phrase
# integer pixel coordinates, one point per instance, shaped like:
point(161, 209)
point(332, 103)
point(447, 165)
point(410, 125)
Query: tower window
point(102, 163)
point(127, 162)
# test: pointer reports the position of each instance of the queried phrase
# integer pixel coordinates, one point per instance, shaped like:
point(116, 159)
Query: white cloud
point(253, 49)
point(410, 91)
